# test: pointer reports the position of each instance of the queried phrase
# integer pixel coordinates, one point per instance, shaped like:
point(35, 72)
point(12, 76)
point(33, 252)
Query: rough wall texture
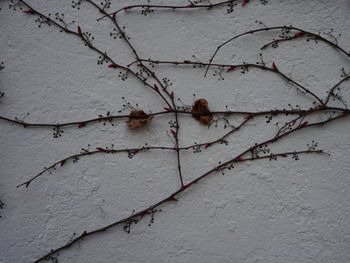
point(281, 211)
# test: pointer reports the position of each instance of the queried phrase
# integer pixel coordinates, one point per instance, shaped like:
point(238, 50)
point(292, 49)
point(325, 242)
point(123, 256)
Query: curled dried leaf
point(137, 119)
point(199, 109)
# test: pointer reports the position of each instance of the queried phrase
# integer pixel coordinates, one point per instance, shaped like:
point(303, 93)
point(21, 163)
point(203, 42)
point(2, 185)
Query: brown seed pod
point(200, 107)
point(137, 119)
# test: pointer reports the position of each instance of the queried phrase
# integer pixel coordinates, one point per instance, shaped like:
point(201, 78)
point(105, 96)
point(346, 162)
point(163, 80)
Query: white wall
point(280, 211)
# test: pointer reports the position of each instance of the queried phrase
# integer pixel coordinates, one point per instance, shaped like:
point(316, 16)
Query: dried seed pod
point(137, 119)
point(200, 107)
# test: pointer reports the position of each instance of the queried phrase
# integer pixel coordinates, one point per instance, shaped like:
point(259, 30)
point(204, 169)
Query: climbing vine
point(324, 108)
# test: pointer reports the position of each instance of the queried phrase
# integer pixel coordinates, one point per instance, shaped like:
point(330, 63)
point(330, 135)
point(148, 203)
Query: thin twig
point(172, 7)
point(334, 45)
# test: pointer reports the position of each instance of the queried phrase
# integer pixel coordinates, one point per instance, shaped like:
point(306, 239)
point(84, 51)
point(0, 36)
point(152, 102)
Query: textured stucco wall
point(281, 211)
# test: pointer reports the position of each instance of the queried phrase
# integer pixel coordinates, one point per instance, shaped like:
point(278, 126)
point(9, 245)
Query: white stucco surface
point(261, 211)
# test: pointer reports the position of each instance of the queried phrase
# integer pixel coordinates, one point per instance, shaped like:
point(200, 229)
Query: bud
point(245, 2)
point(248, 116)
point(304, 124)
point(29, 11)
point(230, 69)
point(274, 66)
